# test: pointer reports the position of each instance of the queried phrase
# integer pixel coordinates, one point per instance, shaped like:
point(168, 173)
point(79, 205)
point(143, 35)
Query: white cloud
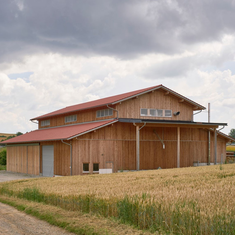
point(57, 81)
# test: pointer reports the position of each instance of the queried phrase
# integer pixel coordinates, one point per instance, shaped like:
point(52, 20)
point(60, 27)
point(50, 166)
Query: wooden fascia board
point(200, 107)
point(178, 125)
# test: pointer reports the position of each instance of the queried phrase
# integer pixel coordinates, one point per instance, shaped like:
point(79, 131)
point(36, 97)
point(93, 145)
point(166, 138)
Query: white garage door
point(48, 160)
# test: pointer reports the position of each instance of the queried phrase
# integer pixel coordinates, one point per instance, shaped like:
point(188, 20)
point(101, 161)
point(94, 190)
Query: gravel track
point(14, 222)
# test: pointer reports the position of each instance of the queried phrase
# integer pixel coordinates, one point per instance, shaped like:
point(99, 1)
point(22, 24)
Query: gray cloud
point(121, 28)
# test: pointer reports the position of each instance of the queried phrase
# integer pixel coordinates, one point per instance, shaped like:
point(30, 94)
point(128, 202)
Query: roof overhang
point(196, 105)
point(59, 133)
point(113, 100)
point(169, 123)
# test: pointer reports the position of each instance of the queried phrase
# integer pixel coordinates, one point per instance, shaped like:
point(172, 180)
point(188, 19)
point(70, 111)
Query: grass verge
point(74, 222)
point(2, 167)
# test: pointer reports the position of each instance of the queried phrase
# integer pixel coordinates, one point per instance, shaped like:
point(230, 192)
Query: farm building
point(139, 130)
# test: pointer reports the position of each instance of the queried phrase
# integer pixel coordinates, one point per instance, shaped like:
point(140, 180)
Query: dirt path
point(14, 222)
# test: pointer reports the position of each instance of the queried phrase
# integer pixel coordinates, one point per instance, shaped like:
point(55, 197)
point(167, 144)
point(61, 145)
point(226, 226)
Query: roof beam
point(181, 101)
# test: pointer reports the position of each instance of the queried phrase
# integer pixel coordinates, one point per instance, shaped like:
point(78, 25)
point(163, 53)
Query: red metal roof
point(113, 100)
point(95, 103)
point(58, 133)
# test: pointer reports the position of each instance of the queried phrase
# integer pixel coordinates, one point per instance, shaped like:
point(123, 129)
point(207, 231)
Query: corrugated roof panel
point(113, 100)
point(95, 103)
point(58, 133)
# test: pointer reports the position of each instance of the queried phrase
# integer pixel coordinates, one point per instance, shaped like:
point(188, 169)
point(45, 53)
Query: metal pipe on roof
point(70, 155)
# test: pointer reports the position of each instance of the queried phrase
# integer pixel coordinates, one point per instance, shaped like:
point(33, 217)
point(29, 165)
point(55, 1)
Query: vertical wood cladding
point(131, 109)
point(116, 144)
point(82, 116)
point(155, 100)
point(23, 159)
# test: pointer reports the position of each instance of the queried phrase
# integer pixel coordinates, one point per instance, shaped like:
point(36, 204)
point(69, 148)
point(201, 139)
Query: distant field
point(230, 148)
point(3, 136)
point(195, 200)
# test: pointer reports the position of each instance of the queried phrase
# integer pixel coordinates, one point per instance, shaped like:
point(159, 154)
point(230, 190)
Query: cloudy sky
point(58, 53)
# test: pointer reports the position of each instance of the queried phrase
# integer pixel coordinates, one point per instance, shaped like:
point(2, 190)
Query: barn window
point(45, 123)
point(104, 113)
point(156, 112)
point(168, 113)
point(95, 167)
point(71, 118)
point(144, 112)
point(159, 112)
point(153, 112)
point(85, 167)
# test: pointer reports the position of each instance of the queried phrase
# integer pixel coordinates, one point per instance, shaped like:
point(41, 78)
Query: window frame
point(144, 115)
point(98, 167)
point(83, 171)
point(158, 112)
point(104, 113)
point(44, 122)
point(73, 117)
point(166, 111)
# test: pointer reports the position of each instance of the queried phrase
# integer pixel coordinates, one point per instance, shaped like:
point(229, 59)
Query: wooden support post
point(215, 145)
point(137, 148)
point(178, 147)
point(209, 148)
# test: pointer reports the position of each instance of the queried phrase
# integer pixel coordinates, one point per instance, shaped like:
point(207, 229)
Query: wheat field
point(203, 196)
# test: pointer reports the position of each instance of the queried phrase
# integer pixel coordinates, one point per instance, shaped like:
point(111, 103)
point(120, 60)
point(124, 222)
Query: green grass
point(3, 167)
point(184, 218)
point(52, 218)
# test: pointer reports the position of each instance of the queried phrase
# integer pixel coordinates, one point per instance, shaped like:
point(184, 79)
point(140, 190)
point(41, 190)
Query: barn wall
point(131, 109)
point(82, 116)
point(112, 147)
point(23, 159)
point(61, 157)
point(221, 149)
point(155, 100)
point(117, 144)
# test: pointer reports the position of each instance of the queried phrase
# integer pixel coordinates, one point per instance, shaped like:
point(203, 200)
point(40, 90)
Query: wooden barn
point(139, 130)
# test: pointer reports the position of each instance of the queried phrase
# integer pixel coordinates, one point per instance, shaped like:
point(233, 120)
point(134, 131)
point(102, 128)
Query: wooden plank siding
point(131, 109)
point(82, 116)
point(117, 144)
point(155, 100)
point(23, 159)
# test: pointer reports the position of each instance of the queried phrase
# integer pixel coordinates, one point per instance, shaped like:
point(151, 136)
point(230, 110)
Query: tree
point(19, 133)
point(3, 157)
point(232, 133)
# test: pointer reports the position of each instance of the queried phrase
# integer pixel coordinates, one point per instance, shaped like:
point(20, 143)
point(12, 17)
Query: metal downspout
point(113, 109)
point(70, 155)
point(195, 114)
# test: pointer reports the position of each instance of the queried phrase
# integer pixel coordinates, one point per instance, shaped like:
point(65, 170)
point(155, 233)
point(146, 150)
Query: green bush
point(3, 157)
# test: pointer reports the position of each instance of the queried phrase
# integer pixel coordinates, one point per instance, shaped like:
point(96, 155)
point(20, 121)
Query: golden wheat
point(212, 188)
